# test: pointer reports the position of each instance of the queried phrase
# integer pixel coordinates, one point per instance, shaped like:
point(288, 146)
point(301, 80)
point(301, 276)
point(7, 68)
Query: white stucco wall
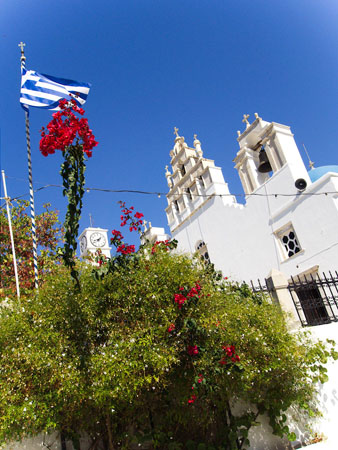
point(241, 240)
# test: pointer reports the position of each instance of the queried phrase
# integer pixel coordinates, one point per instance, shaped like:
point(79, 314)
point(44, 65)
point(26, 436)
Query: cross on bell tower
point(245, 120)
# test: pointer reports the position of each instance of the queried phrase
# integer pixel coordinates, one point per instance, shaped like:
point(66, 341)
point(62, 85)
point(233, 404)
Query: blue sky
point(156, 64)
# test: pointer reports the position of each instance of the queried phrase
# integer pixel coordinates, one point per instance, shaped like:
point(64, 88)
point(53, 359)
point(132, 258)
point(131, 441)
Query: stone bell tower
point(268, 149)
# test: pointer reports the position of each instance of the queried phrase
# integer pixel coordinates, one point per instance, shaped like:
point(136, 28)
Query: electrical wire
point(175, 196)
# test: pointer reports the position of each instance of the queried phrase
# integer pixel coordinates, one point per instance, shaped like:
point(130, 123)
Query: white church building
point(289, 220)
point(286, 228)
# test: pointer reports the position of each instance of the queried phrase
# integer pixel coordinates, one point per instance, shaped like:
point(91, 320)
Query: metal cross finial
point(311, 163)
point(23, 57)
point(176, 131)
point(90, 220)
point(245, 119)
point(22, 45)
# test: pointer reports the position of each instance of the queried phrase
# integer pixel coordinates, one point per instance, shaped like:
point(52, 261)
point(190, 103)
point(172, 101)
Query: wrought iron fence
point(266, 287)
point(315, 297)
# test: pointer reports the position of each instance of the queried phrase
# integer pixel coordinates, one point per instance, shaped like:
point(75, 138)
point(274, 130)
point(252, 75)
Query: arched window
point(202, 249)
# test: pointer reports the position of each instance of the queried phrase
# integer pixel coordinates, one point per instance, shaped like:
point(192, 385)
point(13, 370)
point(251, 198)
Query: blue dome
point(318, 172)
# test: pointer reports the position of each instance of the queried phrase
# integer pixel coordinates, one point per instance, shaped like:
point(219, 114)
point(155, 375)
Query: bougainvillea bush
point(71, 135)
point(158, 353)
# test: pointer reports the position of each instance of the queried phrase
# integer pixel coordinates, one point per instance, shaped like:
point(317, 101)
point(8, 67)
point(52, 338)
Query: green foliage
point(48, 234)
point(72, 172)
point(117, 360)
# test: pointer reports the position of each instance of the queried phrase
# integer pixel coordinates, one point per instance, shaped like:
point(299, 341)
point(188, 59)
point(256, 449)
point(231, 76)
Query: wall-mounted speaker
point(301, 184)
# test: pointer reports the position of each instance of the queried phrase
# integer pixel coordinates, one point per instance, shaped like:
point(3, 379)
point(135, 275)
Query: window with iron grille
point(289, 243)
point(315, 298)
point(312, 304)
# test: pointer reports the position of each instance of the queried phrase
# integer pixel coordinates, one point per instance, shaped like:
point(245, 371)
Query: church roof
point(318, 172)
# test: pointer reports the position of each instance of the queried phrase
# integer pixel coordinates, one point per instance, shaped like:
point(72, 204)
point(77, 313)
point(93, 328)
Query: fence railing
point(315, 297)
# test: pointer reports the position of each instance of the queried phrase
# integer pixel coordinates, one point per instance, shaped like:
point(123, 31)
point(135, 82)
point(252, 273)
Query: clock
point(83, 244)
point(97, 239)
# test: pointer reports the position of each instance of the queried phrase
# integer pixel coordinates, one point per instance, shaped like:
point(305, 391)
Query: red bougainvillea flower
point(116, 240)
point(230, 353)
point(126, 249)
point(117, 234)
point(128, 216)
point(200, 379)
point(180, 299)
point(192, 350)
point(163, 244)
point(192, 399)
point(66, 129)
point(171, 327)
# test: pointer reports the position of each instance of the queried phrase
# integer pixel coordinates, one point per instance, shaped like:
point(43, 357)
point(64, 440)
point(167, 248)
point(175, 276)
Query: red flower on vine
point(126, 249)
point(171, 327)
point(163, 244)
point(192, 399)
point(65, 128)
point(180, 300)
point(128, 215)
point(230, 352)
point(193, 350)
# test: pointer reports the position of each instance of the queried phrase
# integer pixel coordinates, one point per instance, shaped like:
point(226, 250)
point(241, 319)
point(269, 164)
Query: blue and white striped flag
point(45, 91)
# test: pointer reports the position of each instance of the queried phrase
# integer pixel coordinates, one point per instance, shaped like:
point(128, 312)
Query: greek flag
point(45, 91)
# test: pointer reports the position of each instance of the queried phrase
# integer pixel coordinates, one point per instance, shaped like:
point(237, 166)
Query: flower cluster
point(183, 296)
point(192, 399)
point(135, 220)
point(198, 381)
point(117, 238)
point(162, 244)
point(171, 327)
point(192, 350)
point(64, 128)
point(126, 249)
point(230, 355)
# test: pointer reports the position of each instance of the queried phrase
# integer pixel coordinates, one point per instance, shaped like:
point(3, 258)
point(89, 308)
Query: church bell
point(264, 164)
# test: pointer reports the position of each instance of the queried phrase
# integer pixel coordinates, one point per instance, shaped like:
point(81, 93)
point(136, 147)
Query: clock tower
point(93, 239)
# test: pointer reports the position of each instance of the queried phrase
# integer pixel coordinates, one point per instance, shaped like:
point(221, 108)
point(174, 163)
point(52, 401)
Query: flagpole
point(7, 199)
point(30, 178)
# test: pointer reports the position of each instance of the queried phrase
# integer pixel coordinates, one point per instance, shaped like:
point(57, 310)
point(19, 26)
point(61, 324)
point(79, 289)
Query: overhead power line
point(159, 194)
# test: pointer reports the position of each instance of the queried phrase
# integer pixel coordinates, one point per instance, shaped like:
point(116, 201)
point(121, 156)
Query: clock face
point(97, 239)
point(83, 244)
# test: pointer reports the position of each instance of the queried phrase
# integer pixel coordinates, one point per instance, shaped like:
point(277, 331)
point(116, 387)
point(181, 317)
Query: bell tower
point(265, 149)
point(194, 180)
